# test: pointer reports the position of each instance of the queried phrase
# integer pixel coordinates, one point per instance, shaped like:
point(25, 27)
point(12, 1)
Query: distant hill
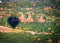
point(23, 0)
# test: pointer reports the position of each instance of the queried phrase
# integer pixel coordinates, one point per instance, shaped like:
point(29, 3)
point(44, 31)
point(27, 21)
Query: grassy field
point(28, 38)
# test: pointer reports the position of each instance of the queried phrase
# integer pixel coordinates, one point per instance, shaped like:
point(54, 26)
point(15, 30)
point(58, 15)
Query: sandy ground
point(7, 30)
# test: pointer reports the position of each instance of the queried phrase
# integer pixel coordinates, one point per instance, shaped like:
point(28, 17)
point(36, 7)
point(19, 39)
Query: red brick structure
point(30, 19)
point(40, 19)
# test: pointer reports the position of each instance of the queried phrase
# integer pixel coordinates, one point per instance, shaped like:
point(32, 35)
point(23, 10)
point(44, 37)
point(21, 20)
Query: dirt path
point(7, 30)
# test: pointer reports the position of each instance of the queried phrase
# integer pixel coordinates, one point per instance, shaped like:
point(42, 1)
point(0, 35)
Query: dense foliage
point(27, 38)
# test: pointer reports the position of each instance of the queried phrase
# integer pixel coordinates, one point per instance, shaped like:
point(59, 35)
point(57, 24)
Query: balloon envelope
point(13, 21)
